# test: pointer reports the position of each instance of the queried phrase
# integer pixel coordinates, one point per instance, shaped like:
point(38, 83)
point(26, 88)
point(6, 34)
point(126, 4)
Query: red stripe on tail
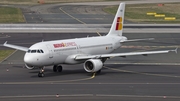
point(117, 26)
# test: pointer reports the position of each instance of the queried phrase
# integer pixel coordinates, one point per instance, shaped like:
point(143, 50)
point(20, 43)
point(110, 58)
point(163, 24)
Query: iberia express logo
point(68, 44)
point(119, 23)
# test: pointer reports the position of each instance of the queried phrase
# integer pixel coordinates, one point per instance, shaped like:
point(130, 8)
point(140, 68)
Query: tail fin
point(117, 25)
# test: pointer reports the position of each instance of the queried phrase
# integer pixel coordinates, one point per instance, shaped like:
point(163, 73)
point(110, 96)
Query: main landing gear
point(56, 68)
point(99, 71)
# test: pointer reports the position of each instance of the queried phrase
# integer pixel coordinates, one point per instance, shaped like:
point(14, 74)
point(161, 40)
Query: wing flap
point(15, 47)
point(83, 57)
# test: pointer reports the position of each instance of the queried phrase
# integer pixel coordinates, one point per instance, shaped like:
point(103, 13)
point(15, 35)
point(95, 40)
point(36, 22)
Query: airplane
point(92, 51)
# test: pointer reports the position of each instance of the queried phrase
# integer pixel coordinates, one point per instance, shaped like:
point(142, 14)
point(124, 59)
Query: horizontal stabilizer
point(134, 40)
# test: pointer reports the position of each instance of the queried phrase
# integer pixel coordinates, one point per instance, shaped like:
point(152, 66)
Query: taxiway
point(155, 77)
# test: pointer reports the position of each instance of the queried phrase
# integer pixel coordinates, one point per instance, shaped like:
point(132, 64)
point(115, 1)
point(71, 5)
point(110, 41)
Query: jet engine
point(93, 65)
point(29, 67)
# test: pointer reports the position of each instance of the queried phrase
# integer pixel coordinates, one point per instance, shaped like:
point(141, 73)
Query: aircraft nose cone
point(28, 60)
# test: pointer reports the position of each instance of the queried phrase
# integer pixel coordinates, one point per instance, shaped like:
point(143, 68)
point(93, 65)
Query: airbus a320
point(92, 51)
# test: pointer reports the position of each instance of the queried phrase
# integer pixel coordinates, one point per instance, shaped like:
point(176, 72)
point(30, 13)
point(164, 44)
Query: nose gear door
point(50, 51)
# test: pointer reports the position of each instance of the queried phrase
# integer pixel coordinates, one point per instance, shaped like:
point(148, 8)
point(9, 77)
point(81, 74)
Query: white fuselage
point(63, 51)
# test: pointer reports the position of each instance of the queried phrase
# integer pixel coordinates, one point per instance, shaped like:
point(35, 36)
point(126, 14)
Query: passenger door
point(50, 51)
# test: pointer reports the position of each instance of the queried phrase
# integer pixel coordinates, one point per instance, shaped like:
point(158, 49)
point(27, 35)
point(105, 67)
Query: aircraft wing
point(84, 57)
point(15, 47)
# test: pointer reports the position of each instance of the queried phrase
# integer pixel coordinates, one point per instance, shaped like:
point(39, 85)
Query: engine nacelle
point(93, 65)
point(29, 67)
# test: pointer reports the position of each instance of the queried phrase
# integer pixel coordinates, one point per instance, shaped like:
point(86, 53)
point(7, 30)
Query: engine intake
point(93, 65)
point(29, 67)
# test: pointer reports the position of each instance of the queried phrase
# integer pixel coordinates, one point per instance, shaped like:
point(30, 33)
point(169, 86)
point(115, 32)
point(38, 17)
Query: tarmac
point(154, 77)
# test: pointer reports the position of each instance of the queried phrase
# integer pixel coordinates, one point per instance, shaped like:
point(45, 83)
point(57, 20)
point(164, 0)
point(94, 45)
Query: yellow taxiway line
point(75, 18)
point(143, 73)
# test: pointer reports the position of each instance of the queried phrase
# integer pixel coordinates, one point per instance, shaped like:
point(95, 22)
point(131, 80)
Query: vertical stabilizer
point(117, 25)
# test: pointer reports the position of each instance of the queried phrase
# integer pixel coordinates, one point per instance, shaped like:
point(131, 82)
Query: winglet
point(5, 43)
point(15, 47)
point(176, 50)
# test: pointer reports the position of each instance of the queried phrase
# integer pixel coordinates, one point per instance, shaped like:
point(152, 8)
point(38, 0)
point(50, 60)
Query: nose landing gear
point(56, 68)
point(41, 72)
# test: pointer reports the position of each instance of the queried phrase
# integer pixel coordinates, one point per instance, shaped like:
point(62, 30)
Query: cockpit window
point(42, 51)
point(29, 51)
point(38, 51)
point(35, 51)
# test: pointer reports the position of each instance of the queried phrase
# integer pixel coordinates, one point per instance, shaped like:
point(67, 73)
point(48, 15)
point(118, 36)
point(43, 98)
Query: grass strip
point(5, 53)
point(47, 1)
point(137, 13)
point(11, 15)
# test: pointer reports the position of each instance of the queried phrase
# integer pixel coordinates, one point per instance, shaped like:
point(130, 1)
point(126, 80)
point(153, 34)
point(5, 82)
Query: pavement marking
point(8, 56)
point(143, 73)
point(76, 19)
point(7, 36)
point(37, 96)
point(98, 33)
point(132, 83)
point(50, 82)
point(92, 95)
point(167, 64)
point(99, 83)
point(139, 96)
point(72, 16)
point(94, 74)
point(24, 18)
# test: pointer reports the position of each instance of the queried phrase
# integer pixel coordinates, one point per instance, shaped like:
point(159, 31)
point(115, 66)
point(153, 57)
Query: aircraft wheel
point(99, 71)
point(40, 74)
point(55, 68)
point(59, 68)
